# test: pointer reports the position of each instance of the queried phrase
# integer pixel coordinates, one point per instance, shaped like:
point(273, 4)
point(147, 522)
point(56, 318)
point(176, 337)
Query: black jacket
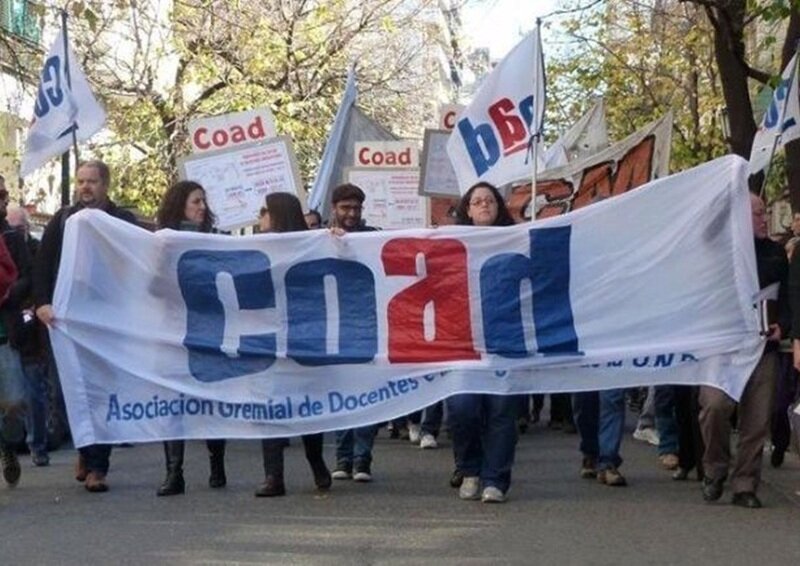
point(773, 267)
point(45, 266)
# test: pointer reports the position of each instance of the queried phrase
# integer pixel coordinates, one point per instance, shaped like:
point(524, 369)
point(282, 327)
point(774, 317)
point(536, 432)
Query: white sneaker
point(648, 435)
point(428, 442)
point(340, 474)
point(362, 475)
point(413, 433)
point(492, 494)
point(470, 488)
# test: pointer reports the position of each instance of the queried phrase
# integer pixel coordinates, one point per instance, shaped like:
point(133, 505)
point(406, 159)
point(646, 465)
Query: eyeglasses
point(480, 201)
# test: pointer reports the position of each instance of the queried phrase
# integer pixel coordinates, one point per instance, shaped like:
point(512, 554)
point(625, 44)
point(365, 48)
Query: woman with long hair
point(484, 426)
point(283, 213)
point(184, 207)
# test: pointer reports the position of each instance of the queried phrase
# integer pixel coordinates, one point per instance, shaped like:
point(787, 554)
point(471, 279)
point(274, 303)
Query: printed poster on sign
point(238, 180)
point(392, 198)
point(438, 177)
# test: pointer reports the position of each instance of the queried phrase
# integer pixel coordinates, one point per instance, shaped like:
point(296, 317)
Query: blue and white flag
point(60, 109)
point(351, 125)
point(491, 141)
point(781, 120)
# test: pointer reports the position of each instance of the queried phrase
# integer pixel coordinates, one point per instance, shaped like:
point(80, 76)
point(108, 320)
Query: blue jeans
point(432, 419)
point(12, 395)
point(354, 447)
point(600, 418)
point(36, 417)
point(666, 423)
point(484, 436)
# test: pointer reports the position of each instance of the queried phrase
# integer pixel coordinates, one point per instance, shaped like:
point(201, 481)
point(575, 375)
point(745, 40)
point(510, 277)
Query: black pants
point(97, 457)
point(690, 440)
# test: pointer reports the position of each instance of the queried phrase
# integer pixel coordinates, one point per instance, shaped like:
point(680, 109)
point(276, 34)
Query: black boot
point(173, 484)
point(272, 452)
point(313, 446)
point(216, 454)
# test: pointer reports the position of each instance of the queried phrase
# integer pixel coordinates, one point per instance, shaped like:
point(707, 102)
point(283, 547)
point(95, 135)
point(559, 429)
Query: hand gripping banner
point(188, 335)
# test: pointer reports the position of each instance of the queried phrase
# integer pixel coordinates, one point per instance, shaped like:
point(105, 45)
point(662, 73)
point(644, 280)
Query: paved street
point(409, 515)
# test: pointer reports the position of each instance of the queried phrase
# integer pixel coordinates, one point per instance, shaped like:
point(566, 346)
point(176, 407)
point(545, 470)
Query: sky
point(500, 24)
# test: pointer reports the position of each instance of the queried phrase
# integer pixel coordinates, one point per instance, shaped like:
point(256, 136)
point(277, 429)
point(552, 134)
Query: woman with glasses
point(484, 426)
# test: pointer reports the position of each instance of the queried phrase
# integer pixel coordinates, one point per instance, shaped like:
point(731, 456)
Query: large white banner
point(188, 335)
point(492, 138)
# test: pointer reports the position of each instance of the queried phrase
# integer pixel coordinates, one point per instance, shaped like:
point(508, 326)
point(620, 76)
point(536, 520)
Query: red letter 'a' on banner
point(444, 286)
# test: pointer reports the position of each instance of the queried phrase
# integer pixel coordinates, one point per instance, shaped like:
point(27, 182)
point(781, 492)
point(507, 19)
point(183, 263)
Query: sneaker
point(470, 488)
point(362, 474)
point(588, 468)
point(611, 477)
point(342, 473)
point(11, 467)
point(648, 435)
point(669, 461)
point(40, 459)
point(413, 433)
point(492, 494)
point(428, 442)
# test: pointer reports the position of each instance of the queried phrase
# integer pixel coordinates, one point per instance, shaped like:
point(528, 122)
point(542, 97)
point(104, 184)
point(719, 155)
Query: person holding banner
point(93, 180)
point(484, 426)
point(184, 207)
point(353, 446)
point(285, 214)
point(755, 405)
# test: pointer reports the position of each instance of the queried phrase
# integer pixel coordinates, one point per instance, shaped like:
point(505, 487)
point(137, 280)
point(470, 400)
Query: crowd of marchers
point(692, 426)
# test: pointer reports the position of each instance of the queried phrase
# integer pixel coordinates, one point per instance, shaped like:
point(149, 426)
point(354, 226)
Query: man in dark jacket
point(93, 180)
point(755, 406)
point(29, 337)
point(12, 380)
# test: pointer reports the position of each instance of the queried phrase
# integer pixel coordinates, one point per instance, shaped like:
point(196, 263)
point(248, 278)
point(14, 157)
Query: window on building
point(21, 18)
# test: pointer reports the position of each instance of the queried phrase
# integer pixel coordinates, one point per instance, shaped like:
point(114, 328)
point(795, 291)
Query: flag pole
point(792, 78)
point(536, 136)
point(65, 192)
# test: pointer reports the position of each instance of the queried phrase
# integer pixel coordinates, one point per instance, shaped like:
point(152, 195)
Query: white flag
point(781, 120)
point(587, 136)
point(60, 110)
point(492, 136)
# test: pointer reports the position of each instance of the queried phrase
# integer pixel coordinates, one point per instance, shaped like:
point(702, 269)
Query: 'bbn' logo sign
point(50, 94)
point(511, 125)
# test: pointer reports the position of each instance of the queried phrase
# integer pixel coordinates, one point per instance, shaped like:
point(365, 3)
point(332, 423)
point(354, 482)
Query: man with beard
point(353, 446)
point(93, 181)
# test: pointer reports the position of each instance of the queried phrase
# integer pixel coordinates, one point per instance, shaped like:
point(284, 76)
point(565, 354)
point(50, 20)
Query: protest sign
point(238, 180)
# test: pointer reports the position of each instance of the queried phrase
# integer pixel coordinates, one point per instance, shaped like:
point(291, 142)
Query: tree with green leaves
point(157, 65)
point(644, 57)
point(743, 30)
